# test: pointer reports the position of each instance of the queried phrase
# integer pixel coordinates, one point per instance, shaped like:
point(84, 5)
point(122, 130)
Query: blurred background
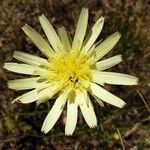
point(20, 124)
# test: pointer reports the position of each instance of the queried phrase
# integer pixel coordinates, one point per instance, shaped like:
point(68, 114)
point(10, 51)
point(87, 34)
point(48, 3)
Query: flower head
point(72, 71)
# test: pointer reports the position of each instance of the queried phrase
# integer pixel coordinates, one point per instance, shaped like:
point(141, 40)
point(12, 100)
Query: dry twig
point(121, 139)
point(146, 105)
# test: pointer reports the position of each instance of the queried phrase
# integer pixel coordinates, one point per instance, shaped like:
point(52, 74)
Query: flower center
point(73, 69)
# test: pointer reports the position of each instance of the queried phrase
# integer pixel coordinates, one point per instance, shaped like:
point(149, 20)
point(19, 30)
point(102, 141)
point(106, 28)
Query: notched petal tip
point(101, 19)
point(68, 134)
point(120, 56)
point(45, 132)
point(117, 33)
point(116, 36)
point(84, 9)
point(13, 101)
point(18, 101)
point(24, 27)
point(94, 126)
point(5, 66)
point(15, 53)
point(123, 105)
point(137, 81)
point(42, 16)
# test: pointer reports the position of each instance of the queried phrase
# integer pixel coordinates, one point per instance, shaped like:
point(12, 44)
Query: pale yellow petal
point(30, 59)
point(23, 84)
point(113, 78)
point(38, 41)
point(88, 111)
point(64, 39)
point(95, 33)
point(26, 69)
point(47, 93)
point(71, 119)
point(28, 97)
point(98, 100)
point(108, 63)
point(106, 96)
point(106, 46)
point(21, 68)
point(54, 113)
point(82, 97)
point(80, 30)
point(51, 34)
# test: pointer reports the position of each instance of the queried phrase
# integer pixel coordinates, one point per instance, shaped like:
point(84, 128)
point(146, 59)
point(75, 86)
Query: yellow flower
point(72, 71)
